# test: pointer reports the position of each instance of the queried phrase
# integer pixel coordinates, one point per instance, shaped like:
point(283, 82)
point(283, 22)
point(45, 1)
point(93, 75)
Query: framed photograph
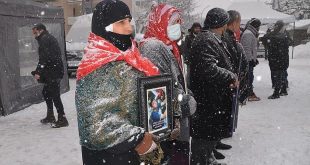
point(155, 104)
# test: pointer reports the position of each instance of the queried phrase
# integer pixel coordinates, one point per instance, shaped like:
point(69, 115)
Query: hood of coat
point(252, 30)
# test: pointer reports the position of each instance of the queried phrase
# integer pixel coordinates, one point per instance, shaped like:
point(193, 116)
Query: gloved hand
point(188, 104)
point(147, 145)
point(256, 62)
point(176, 131)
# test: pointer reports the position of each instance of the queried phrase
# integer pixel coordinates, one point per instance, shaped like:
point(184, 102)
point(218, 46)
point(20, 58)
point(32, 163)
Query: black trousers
point(51, 94)
point(279, 78)
point(93, 157)
point(201, 151)
point(251, 79)
point(285, 78)
point(175, 152)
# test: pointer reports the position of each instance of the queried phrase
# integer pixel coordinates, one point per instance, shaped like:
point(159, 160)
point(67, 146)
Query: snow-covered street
point(270, 132)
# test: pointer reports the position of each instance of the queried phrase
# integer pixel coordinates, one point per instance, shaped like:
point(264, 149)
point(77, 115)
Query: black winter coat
point(237, 57)
point(50, 66)
point(278, 50)
point(211, 75)
point(187, 48)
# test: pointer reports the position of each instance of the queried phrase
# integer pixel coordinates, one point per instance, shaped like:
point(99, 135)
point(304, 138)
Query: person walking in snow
point(50, 71)
point(163, 31)
point(249, 41)
point(106, 92)
point(278, 42)
point(212, 79)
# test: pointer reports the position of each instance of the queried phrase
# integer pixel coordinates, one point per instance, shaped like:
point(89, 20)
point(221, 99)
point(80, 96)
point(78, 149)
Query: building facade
point(74, 8)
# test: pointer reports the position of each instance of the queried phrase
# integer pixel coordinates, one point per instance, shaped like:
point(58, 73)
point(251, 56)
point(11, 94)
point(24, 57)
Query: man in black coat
point(212, 78)
point(50, 71)
point(187, 46)
point(193, 31)
point(238, 58)
point(278, 42)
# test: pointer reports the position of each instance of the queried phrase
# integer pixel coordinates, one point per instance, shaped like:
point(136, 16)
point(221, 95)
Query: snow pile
point(302, 51)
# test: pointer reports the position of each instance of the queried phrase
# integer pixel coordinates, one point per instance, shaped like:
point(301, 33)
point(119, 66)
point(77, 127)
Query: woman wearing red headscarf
point(106, 92)
point(160, 46)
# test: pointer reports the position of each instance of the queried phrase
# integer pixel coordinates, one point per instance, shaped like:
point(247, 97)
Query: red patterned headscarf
point(100, 52)
point(157, 27)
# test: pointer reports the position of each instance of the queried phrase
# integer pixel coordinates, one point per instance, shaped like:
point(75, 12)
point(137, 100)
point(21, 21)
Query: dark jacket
point(211, 75)
point(50, 66)
point(187, 48)
point(278, 48)
point(239, 61)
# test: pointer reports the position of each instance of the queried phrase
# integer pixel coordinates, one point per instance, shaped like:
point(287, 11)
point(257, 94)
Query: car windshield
point(80, 29)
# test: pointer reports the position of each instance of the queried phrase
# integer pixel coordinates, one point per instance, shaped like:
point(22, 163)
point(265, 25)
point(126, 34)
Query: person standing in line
point(237, 57)
point(212, 79)
point(249, 41)
point(107, 95)
point(50, 71)
point(163, 31)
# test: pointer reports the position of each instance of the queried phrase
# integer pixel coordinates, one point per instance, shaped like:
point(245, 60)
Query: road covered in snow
point(270, 132)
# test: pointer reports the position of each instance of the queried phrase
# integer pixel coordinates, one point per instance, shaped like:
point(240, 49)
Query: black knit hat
point(279, 24)
point(39, 26)
point(255, 23)
point(216, 18)
point(107, 12)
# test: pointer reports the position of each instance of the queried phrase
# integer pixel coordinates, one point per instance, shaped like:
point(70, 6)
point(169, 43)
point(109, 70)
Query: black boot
point(61, 122)
point(50, 118)
point(275, 94)
point(283, 91)
point(222, 146)
point(218, 155)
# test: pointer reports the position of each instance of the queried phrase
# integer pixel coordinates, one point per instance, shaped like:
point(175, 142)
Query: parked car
point(76, 41)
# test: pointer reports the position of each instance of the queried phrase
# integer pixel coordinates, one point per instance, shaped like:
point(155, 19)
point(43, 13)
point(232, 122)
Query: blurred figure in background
point(193, 31)
point(278, 42)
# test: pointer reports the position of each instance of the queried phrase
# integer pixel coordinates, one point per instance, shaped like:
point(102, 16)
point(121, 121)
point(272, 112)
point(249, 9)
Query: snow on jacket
point(237, 52)
point(278, 50)
point(161, 55)
point(50, 66)
point(211, 75)
point(107, 97)
point(164, 53)
point(249, 42)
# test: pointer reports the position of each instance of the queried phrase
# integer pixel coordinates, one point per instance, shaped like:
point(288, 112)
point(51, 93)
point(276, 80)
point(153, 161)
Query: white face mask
point(174, 32)
point(109, 28)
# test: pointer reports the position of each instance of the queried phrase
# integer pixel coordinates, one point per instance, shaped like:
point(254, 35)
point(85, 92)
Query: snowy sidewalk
point(275, 132)
point(270, 132)
point(25, 141)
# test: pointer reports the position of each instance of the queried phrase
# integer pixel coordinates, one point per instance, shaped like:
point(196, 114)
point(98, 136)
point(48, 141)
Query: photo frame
point(155, 104)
